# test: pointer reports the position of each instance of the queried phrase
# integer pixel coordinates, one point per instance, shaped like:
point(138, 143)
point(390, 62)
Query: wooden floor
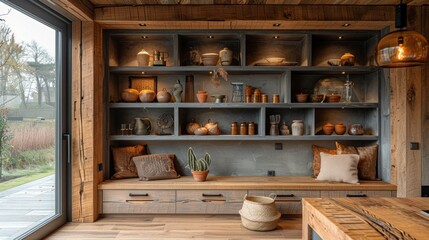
point(174, 227)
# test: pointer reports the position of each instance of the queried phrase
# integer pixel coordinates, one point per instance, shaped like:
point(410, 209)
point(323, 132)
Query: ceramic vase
point(340, 129)
point(297, 127)
point(202, 96)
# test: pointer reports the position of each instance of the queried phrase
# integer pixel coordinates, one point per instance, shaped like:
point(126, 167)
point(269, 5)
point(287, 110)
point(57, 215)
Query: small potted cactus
point(199, 167)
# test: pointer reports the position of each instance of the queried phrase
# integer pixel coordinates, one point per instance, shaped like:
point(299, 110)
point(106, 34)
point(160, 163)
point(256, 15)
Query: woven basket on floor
point(259, 213)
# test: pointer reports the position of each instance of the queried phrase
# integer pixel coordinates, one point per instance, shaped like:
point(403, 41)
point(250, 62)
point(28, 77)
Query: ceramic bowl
point(328, 129)
point(334, 62)
point(275, 59)
point(333, 98)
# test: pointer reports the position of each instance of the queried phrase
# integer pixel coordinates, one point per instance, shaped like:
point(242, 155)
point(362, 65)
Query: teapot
point(142, 126)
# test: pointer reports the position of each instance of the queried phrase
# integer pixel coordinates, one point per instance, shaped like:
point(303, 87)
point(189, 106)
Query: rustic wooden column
point(406, 121)
point(87, 112)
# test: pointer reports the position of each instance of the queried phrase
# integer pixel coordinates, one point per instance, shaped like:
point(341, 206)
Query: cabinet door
point(337, 194)
point(138, 201)
point(288, 202)
point(209, 201)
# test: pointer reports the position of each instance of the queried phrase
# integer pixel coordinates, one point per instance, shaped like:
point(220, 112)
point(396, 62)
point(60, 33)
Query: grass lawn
point(22, 180)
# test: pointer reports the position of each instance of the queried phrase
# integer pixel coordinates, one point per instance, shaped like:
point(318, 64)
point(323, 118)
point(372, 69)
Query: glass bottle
point(348, 89)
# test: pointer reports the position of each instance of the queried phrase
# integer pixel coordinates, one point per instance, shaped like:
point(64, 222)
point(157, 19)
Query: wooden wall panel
point(87, 115)
point(425, 103)
point(406, 121)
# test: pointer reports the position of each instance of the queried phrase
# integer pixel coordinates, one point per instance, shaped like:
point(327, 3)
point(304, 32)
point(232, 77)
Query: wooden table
point(365, 218)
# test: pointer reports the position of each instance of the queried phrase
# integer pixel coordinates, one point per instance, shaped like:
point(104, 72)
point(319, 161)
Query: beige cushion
point(338, 168)
point(155, 166)
point(122, 160)
point(316, 157)
point(368, 156)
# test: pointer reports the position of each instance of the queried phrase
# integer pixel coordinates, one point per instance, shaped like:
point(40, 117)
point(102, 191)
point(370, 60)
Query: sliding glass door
point(33, 119)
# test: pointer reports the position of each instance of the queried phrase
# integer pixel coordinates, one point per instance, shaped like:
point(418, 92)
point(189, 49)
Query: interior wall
point(425, 104)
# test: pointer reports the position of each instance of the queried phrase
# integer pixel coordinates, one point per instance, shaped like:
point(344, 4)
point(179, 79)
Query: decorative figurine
point(177, 91)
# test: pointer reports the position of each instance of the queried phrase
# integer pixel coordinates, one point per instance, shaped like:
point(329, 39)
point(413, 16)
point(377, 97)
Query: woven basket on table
point(259, 213)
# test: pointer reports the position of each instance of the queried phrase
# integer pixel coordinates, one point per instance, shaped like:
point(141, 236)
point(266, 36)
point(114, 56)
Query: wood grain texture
point(406, 122)
point(425, 103)
point(237, 182)
point(174, 227)
point(87, 110)
point(375, 218)
point(81, 10)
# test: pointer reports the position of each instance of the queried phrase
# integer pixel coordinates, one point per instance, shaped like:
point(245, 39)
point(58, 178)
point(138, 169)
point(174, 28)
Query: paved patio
point(25, 206)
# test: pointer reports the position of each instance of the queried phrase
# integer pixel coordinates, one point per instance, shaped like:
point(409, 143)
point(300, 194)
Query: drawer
point(138, 201)
point(338, 194)
point(288, 202)
point(209, 201)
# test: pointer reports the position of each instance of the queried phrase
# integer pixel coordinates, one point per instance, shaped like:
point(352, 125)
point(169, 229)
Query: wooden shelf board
point(246, 182)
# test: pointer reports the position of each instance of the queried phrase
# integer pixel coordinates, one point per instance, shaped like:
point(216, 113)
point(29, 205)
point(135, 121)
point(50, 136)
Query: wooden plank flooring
point(226, 227)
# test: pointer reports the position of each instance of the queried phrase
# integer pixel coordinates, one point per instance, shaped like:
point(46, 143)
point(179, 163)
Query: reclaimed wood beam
point(124, 14)
point(83, 10)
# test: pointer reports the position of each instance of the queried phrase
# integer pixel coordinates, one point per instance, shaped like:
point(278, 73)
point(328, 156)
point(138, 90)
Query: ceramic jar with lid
point(234, 128)
point(143, 58)
point(225, 56)
point(243, 128)
point(297, 127)
point(251, 128)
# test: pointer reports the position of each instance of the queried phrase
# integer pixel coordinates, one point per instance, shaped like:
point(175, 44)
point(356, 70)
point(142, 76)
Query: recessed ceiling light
point(142, 24)
point(346, 25)
point(143, 73)
point(144, 37)
point(343, 72)
point(340, 37)
point(276, 37)
point(210, 36)
point(210, 72)
point(276, 25)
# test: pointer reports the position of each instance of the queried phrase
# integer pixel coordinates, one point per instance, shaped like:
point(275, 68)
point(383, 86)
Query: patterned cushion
point(368, 156)
point(155, 166)
point(122, 159)
point(316, 157)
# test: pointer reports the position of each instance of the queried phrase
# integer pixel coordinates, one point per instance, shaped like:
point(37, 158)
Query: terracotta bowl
point(328, 129)
point(317, 98)
point(302, 97)
point(333, 98)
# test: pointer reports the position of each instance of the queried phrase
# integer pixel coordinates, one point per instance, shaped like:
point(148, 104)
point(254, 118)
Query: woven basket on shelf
point(259, 213)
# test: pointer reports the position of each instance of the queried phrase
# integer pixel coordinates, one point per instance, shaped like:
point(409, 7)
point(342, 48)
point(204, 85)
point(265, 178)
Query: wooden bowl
point(333, 98)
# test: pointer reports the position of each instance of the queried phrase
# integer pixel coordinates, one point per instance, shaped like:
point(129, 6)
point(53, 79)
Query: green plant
point(200, 164)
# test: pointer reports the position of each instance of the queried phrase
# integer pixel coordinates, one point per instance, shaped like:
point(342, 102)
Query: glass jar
point(348, 89)
point(237, 92)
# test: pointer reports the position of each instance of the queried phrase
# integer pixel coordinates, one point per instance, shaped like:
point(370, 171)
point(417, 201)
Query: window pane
point(28, 100)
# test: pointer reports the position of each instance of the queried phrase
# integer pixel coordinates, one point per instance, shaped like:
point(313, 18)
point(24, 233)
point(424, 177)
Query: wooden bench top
point(243, 182)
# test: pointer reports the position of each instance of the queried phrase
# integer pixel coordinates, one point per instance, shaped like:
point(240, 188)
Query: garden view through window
point(28, 102)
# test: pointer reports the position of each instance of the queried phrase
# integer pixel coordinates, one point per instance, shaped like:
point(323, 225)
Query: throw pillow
point(316, 157)
point(338, 168)
point(122, 160)
point(367, 167)
point(155, 166)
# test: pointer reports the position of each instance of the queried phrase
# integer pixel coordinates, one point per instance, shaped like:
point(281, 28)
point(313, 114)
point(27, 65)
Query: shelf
point(245, 105)
point(241, 69)
point(243, 138)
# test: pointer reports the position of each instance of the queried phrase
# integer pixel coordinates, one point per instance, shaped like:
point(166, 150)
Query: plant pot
point(200, 176)
point(202, 96)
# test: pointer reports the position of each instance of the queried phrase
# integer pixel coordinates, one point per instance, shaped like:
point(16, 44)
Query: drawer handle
point(212, 195)
point(139, 194)
point(356, 195)
point(286, 195)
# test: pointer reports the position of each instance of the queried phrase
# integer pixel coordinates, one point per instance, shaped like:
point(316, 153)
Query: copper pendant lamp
point(402, 48)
